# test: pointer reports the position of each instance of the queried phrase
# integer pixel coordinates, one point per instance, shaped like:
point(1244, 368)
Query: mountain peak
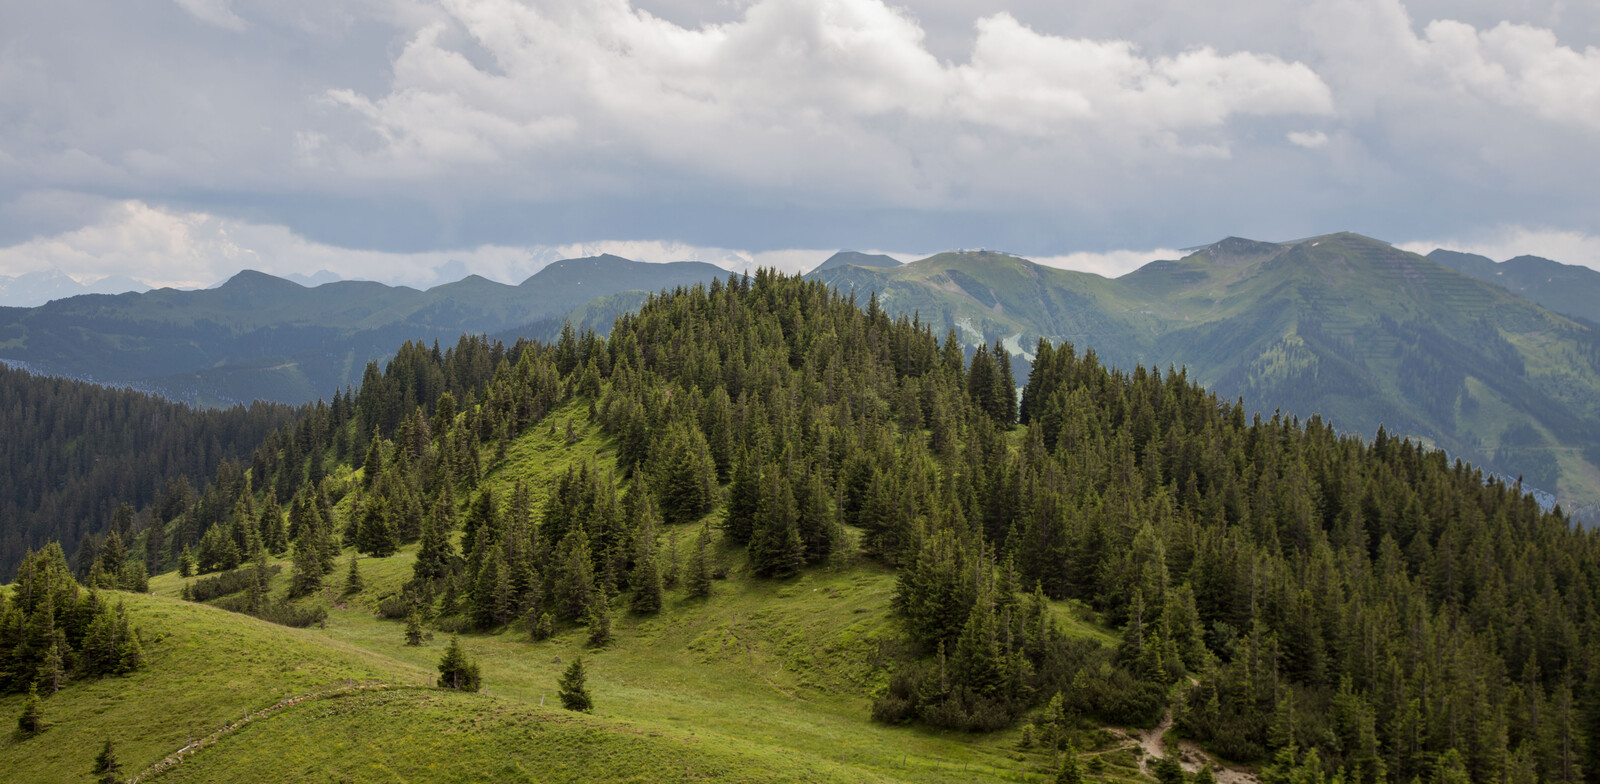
point(857, 259)
point(255, 280)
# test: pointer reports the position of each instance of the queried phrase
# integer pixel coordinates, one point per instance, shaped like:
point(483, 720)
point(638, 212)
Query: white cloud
point(1308, 139)
point(1507, 242)
point(1111, 264)
point(826, 95)
point(217, 12)
point(167, 247)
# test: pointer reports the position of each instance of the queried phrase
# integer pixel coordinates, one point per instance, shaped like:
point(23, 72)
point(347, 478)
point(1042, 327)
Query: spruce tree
point(697, 575)
point(307, 577)
point(744, 502)
point(600, 622)
point(1168, 770)
point(107, 770)
point(1070, 772)
point(457, 670)
point(435, 551)
point(540, 625)
point(775, 548)
point(413, 629)
point(646, 584)
point(376, 535)
point(31, 721)
point(573, 690)
point(352, 580)
point(186, 563)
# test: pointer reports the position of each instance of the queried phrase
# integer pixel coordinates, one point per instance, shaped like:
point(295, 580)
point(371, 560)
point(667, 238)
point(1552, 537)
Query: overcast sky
point(405, 140)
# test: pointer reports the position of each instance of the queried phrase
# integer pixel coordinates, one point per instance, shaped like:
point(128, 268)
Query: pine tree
point(31, 721)
point(775, 548)
point(107, 770)
point(1168, 770)
point(186, 563)
point(1070, 772)
point(457, 670)
point(540, 625)
point(307, 577)
point(574, 589)
point(744, 502)
point(435, 552)
point(376, 535)
point(600, 622)
point(413, 629)
point(574, 693)
point(646, 584)
point(352, 580)
point(697, 575)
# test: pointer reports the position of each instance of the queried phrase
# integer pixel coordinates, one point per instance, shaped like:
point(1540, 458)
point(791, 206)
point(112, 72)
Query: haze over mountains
point(36, 288)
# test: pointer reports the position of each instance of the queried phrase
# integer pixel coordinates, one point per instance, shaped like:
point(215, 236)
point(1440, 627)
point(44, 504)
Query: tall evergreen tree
point(457, 670)
point(573, 688)
point(107, 770)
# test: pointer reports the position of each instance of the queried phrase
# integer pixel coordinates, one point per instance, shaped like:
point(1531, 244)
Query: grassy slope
point(763, 681)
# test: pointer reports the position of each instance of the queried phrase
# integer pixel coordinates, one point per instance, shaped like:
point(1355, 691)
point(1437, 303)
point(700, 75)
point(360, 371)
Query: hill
point(855, 258)
point(782, 528)
point(1568, 289)
point(261, 337)
point(1342, 326)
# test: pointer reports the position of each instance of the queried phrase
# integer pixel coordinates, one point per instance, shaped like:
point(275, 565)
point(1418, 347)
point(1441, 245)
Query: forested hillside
point(71, 452)
point(1302, 599)
point(258, 337)
point(1343, 327)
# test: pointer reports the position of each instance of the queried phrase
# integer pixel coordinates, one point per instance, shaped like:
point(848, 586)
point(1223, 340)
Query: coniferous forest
point(1307, 601)
point(73, 452)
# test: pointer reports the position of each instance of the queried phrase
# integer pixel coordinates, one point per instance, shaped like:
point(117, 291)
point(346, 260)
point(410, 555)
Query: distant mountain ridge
point(257, 336)
point(1341, 326)
point(36, 288)
point(1569, 289)
point(846, 258)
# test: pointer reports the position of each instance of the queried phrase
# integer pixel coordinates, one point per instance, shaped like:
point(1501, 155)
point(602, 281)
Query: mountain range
point(37, 288)
point(261, 337)
point(1563, 288)
point(1496, 363)
point(1342, 326)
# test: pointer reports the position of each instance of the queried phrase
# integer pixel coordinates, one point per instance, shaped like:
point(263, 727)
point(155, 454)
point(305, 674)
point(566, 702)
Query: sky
point(412, 141)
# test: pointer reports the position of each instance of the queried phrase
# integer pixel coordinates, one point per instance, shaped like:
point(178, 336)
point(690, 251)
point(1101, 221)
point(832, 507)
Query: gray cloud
point(1042, 128)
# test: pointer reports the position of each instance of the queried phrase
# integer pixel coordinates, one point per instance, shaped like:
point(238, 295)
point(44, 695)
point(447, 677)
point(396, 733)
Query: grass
point(762, 681)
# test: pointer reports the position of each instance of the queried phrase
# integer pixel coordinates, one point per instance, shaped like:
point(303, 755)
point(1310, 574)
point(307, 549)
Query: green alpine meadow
point(946, 521)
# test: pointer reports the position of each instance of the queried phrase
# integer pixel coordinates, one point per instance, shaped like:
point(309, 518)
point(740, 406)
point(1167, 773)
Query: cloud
point(181, 248)
point(217, 12)
point(821, 96)
point(432, 125)
point(1308, 139)
point(1507, 242)
point(1111, 264)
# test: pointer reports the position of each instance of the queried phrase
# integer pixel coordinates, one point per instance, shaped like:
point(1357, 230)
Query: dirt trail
point(1189, 755)
point(176, 758)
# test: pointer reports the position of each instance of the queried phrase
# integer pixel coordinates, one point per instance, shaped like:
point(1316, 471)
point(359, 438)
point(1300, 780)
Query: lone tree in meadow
point(574, 696)
point(456, 671)
point(352, 581)
point(107, 770)
point(32, 719)
point(413, 629)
